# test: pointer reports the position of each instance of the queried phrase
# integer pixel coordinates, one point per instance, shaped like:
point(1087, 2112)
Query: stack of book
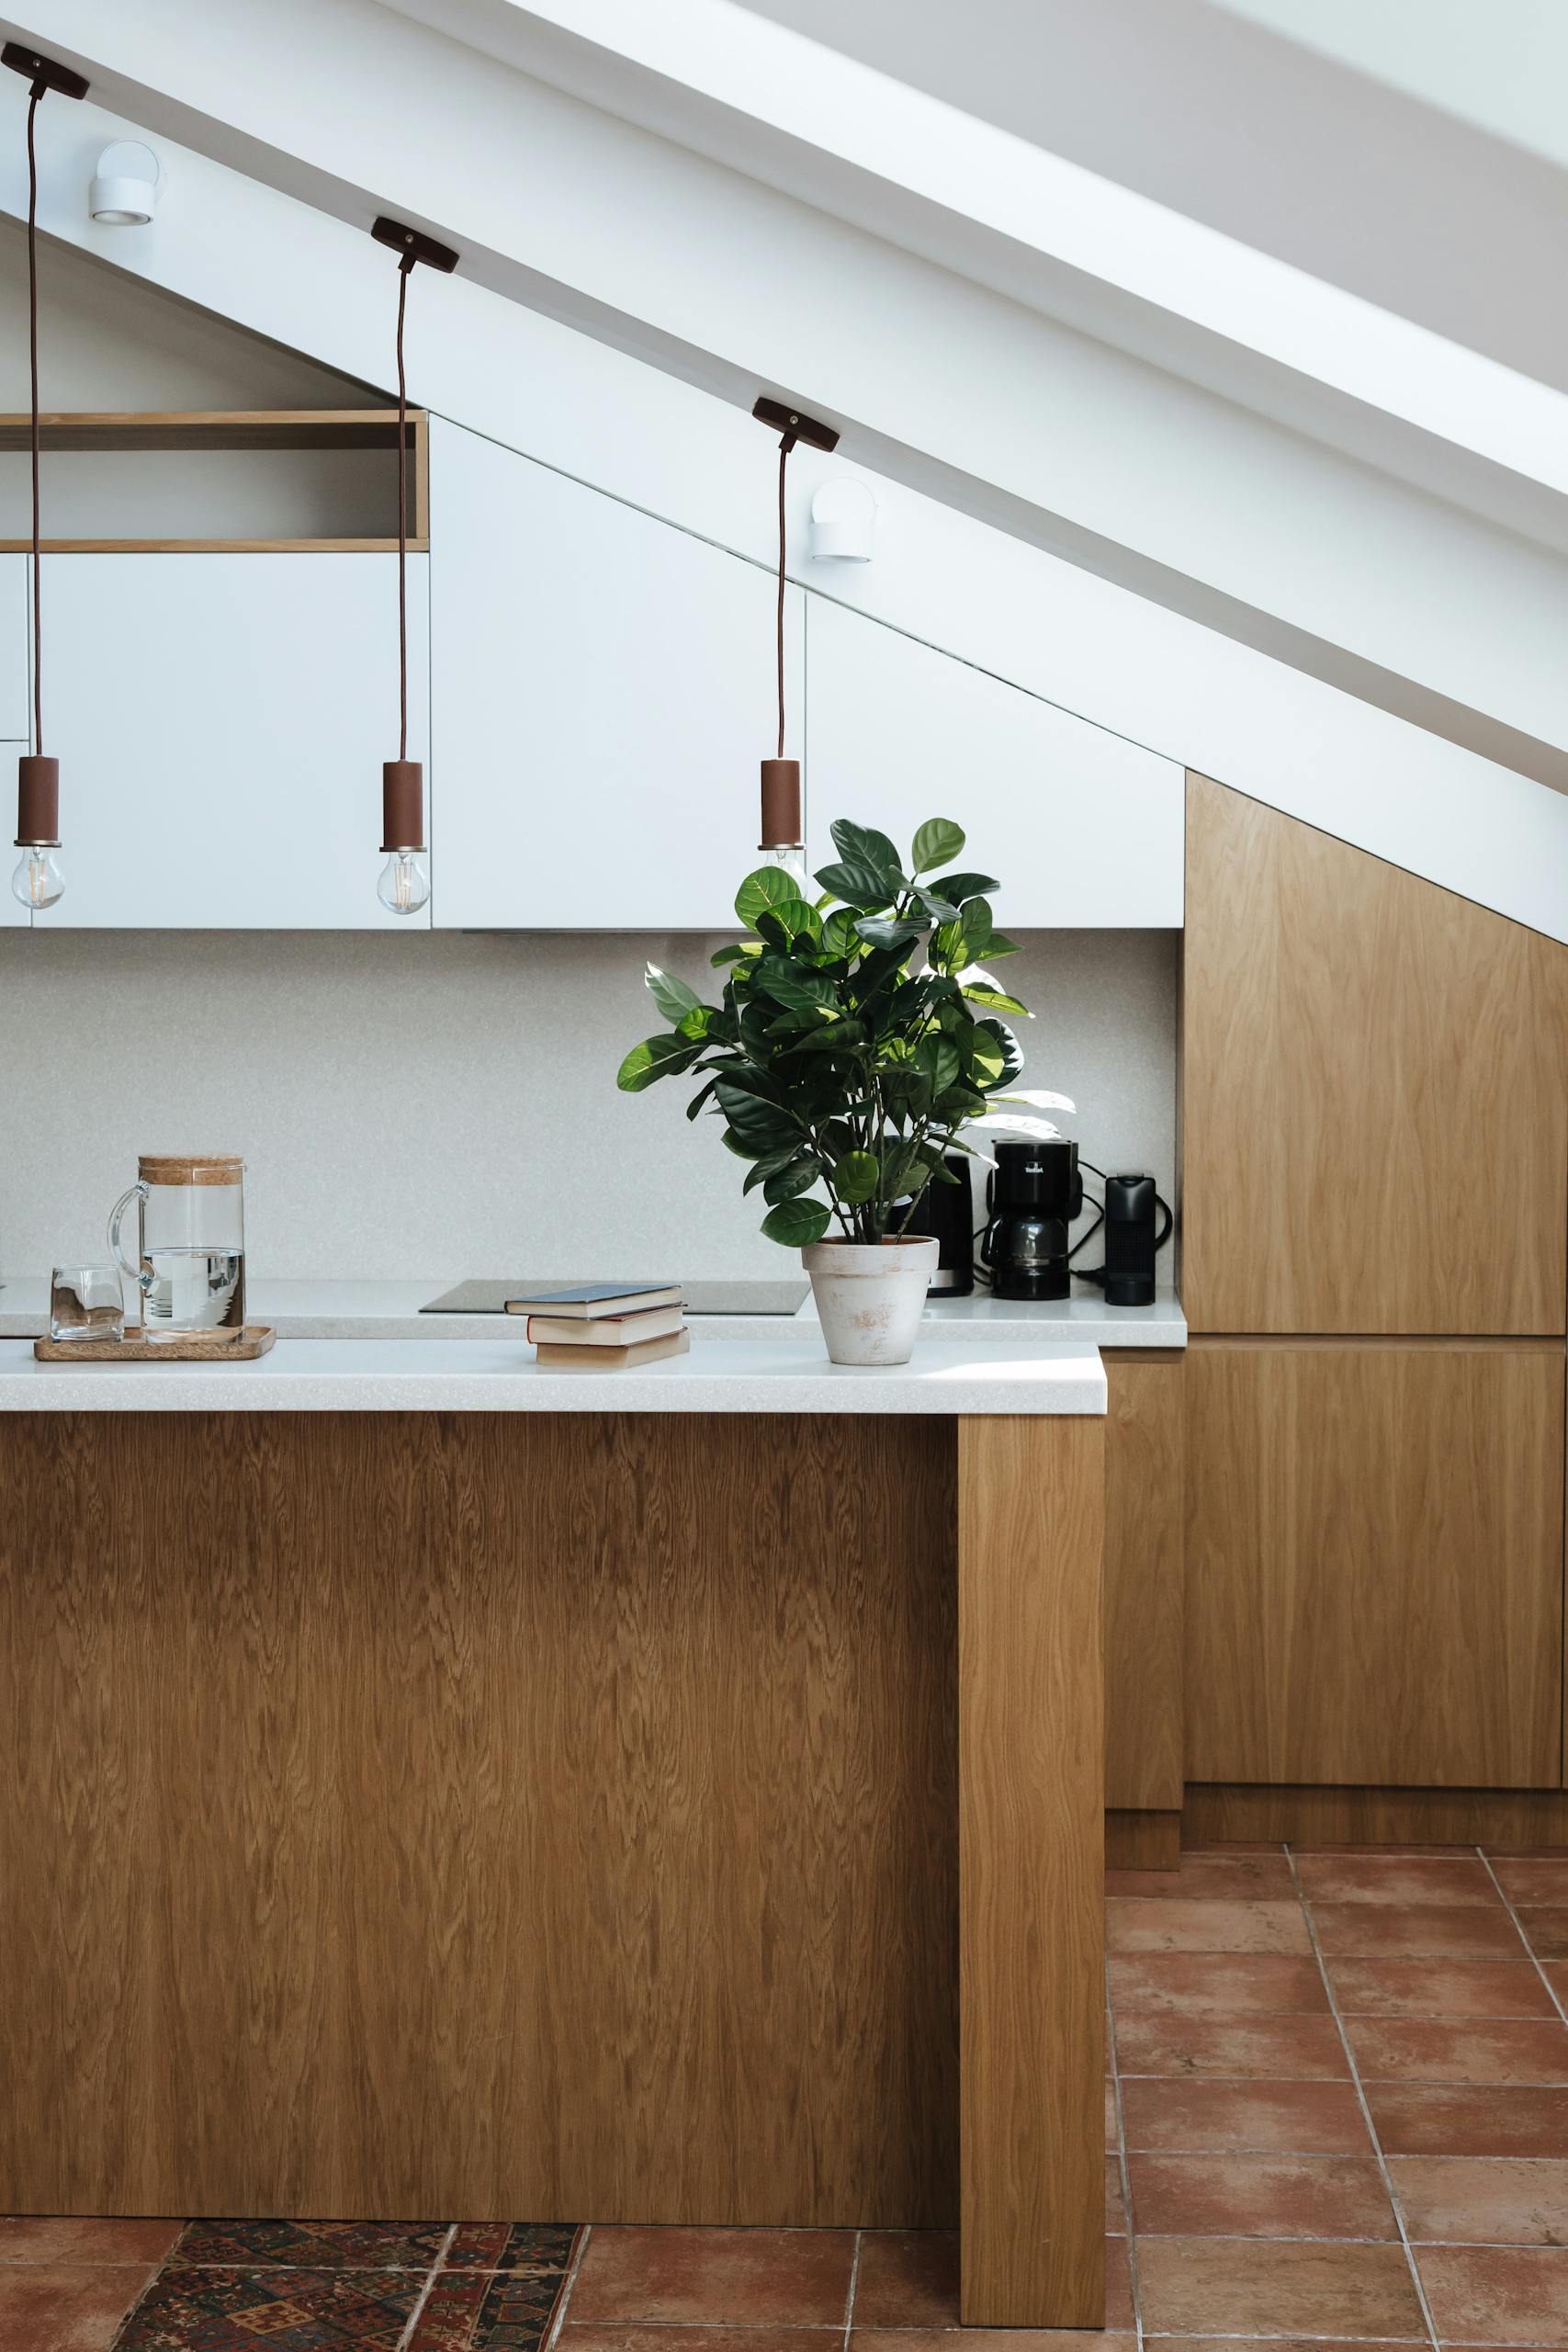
point(605, 1326)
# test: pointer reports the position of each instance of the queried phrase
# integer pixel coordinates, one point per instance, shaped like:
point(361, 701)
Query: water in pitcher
point(193, 1290)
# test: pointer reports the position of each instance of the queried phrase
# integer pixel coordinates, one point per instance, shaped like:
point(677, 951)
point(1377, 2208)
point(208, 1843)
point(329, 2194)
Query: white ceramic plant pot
point(870, 1296)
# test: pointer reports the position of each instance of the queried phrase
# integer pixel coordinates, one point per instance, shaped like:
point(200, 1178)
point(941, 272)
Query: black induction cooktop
point(783, 1297)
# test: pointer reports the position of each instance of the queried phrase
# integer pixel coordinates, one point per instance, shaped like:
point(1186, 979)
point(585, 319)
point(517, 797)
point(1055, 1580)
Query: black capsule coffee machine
point(1031, 1200)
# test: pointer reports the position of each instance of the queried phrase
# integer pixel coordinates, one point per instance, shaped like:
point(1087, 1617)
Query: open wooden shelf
point(217, 429)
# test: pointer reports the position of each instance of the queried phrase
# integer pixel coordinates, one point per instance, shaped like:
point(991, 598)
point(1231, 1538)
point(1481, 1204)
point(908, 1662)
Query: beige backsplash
point(444, 1105)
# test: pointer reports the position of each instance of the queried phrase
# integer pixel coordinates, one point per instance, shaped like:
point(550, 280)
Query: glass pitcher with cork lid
point(190, 1260)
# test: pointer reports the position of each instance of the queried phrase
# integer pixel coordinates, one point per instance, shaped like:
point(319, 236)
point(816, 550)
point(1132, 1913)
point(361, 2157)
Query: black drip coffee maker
point(1032, 1198)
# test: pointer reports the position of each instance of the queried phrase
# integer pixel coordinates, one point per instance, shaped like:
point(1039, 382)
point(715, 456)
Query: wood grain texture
point(482, 1815)
point(1350, 1034)
point(1142, 1840)
point(1032, 1842)
point(1145, 1601)
point(1506, 1819)
point(1375, 1562)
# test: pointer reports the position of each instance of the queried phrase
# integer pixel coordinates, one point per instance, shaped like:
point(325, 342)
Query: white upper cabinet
point(220, 722)
point(14, 659)
point(1084, 828)
point(14, 719)
point(602, 689)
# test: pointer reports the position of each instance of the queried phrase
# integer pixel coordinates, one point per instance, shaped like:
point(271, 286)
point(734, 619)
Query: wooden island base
point(561, 1816)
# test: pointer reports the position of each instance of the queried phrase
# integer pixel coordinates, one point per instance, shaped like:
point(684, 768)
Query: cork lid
point(190, 1168)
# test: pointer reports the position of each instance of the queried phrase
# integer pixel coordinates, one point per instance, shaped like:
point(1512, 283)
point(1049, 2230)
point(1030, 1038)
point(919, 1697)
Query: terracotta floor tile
point(71, 2238)
point(1546, 1928)
point(1518, 2200)
point(1287, 2050)
point(1260, 2196)
point(1462, 1928)
point(1274, 2344)
point(232, 2310)
point(1533, 1878)
point(1395, 1878)
point(1451, 2050)
point(1112, 2122)
point(1217, 1984)
point(1138, 1923)
point(1115, 2207)
point(1431, 2119)
point(940, 2296)
point(1440, 1988)
point(601, 2335)
point(1118, 2287)
point(1556, 1974)
point(1266, 2287)
point(1496, 2294)
point(736, 2277)
point(907, 2278)
point(976, 2339)
point(65, 2307)
point(1303, 2118)
point(1262, 1875)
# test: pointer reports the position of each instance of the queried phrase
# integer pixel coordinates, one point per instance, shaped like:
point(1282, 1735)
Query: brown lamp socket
point(781, 805)
point(402, 804)
point(37, 802)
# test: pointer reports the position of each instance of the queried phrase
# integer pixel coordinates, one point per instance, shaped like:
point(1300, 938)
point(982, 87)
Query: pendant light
point(38, 881)
point(404, 886)
point(784, 840)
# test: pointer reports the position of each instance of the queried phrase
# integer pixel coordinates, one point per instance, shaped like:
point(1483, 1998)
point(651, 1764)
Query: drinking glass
point(85, 1302)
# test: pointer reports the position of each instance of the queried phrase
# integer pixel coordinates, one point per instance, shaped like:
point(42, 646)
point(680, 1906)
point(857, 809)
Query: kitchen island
point(436, 1784)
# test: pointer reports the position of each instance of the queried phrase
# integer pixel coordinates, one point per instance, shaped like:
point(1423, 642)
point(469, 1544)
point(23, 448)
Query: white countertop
point(389, 1310)
point(774, 1375)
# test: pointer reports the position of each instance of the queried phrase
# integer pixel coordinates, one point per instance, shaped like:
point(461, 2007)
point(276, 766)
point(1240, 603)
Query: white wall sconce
point(843, 521)
point(124, 194)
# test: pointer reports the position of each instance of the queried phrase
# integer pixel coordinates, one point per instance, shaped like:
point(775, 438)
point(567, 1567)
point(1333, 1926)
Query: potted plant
point(856, 1035)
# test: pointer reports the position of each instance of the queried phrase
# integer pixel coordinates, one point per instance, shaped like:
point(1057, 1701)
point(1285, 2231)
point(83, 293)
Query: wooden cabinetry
point(220, 722)
point(1375, 1080)
point(605, 689)
point(897, 732)
point(1374, 1562)
point(1144, 1474)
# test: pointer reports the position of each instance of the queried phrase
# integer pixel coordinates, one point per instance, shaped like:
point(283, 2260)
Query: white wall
point(109, 343)
point(446, 1105)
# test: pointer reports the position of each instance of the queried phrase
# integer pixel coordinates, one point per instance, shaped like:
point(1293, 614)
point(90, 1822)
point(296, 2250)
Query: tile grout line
point(1387, 2176)
point(1124, 2173)
point(1507, 1901)
point(158, 2269)
point(854, 2282)
point(411, 2323)
point(574, 2264)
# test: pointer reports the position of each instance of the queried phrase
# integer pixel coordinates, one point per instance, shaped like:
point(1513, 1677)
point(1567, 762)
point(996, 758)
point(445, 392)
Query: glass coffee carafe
point(190, 1261)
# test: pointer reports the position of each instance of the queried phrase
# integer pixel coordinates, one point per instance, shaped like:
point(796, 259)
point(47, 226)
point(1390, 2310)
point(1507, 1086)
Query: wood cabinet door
point(1375, 1093)
point(605, 689)
point(1374, 1562)
point(220, 722)
point(1084, 827)
point(1144, 1465)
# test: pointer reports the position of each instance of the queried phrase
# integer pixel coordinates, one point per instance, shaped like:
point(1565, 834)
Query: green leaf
point(857, 885)
point(697, 1023)
point(856, 1177)
point(672, 996)
point(993, 999)
point(694, 1107)
point(796, 985)
point(974, 929)
point(935, 909)
point(938, 1058)
point(999, 943)
point(888, 931)
point(958, 887)
point(863, 846)
point(938, 839)
point(769, 885)
point(798, 1177)
point(656, 1058)
point(797, 1223)
point(736, 955)
point(769, 1164)
point(839, 935)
